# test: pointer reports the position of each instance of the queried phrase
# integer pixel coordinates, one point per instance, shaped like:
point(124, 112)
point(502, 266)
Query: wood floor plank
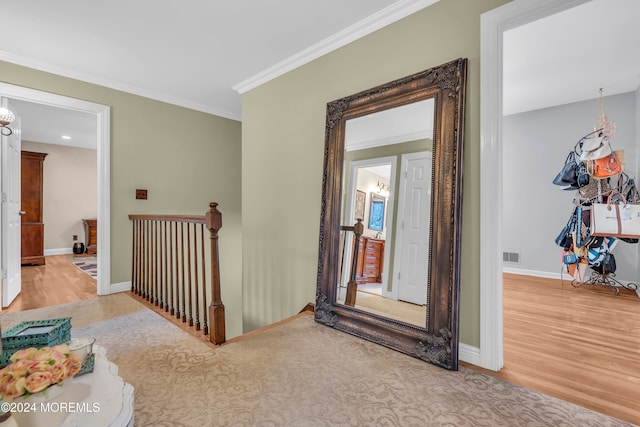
point(580, 344)
point(56, 282)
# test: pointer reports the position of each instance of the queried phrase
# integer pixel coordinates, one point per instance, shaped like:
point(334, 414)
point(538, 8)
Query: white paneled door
point(11, 148)
point(414, 218)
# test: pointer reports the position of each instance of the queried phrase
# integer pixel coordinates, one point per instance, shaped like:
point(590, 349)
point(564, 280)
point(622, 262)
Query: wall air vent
point(511, 257)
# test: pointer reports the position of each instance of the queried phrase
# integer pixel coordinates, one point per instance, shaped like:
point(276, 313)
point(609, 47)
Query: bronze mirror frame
point(437, 342)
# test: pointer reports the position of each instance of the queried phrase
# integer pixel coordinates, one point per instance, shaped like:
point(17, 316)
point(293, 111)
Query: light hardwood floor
point(581, 345)
point(56, 282)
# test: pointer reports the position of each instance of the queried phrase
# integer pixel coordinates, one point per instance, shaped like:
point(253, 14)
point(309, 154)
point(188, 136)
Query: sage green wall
point(185, 159)
point(283, 149)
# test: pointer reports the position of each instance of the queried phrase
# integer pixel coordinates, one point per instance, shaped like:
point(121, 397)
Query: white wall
point(70, 193)
point(536, 144)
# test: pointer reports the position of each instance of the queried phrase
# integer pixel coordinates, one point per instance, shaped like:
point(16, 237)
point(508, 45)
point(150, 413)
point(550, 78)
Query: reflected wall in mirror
point(388, 157)
point(389, 267)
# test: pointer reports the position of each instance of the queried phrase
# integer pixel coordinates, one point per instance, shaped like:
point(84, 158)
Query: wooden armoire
point(31, 191)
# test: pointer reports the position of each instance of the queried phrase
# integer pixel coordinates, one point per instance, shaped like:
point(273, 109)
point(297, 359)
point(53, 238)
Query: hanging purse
point(568, 175)
point(595, 189)
point(582, 176)
point(605, 167)
point(594, 146)
point(607, 266)
point(596, 254)
point(565, 238)
point(615, 218)
point(630, 192)
point(581, 232)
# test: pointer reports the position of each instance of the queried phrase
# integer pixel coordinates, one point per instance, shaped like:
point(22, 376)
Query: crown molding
point(116, 85)
point(384, 17)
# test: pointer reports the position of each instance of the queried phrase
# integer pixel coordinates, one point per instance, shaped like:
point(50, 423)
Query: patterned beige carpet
point(297, 374)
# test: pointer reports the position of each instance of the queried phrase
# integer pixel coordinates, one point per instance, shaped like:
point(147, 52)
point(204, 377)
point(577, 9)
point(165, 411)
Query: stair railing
point(169, 268)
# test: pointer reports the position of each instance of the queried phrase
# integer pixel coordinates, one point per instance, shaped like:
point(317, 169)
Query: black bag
point(583, 231)
point(582, 176)
point(568, 176)
point(565, 238)
point(607, 266)
point(631, 193)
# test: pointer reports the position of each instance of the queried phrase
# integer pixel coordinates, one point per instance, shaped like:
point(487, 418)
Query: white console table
point(101, 397)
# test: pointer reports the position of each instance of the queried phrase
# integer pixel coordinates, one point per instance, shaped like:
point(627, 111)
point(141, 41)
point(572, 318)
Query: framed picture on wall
point(361, 198)
point(376, 213)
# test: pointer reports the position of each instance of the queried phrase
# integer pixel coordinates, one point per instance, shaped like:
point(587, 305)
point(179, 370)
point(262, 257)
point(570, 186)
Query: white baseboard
point(120, 287)
point(469, 354)
point(60, 251)
point(536, 273)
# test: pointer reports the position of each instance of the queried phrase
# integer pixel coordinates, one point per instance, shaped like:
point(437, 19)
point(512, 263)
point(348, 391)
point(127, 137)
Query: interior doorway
point(101, 113)
point(370, 198)
point(494, 24)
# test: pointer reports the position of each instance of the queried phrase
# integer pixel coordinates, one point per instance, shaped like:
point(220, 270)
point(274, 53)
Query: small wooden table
point(91, 236)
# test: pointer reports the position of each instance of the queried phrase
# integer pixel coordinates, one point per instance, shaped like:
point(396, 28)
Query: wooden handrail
point(168, 273)
point(192, 219)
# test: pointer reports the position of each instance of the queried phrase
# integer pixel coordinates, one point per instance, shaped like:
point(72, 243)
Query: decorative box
point(34, 333)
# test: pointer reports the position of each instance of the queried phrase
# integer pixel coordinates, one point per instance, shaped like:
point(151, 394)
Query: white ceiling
point(569, 56)
point(204, 54)
point(198, 54)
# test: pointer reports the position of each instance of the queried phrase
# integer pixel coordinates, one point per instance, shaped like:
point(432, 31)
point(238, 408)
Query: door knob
point(23, 212)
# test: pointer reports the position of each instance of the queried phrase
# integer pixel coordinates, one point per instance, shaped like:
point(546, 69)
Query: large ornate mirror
point(391, 210)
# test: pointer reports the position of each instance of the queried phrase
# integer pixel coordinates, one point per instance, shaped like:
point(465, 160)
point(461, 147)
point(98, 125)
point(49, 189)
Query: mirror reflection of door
point(413, 235)
point(388, 159)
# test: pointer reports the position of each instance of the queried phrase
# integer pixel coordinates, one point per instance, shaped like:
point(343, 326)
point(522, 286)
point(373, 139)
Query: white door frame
point(103, 118)
point(350, 211)
point(493, 24)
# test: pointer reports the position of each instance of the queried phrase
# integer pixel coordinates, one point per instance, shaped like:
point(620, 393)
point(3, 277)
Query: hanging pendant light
point(6, 117)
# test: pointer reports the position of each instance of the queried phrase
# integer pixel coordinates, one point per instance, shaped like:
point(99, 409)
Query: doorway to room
point(101, 115)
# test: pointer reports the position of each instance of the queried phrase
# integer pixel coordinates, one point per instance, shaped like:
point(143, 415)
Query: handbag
point(569, 257)
point(615, 218)
point(581, 232)
point(565, 237)
point(568, 175)
point(594, 146)
point(607, 266)
point(630, 192)
point(595, 189)
point(605, 167)
point(597, 254)
point(582, 176)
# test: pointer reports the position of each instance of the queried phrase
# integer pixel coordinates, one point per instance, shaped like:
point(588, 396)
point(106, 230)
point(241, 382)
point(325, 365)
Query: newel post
point(352, 285)
point(216, 309)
